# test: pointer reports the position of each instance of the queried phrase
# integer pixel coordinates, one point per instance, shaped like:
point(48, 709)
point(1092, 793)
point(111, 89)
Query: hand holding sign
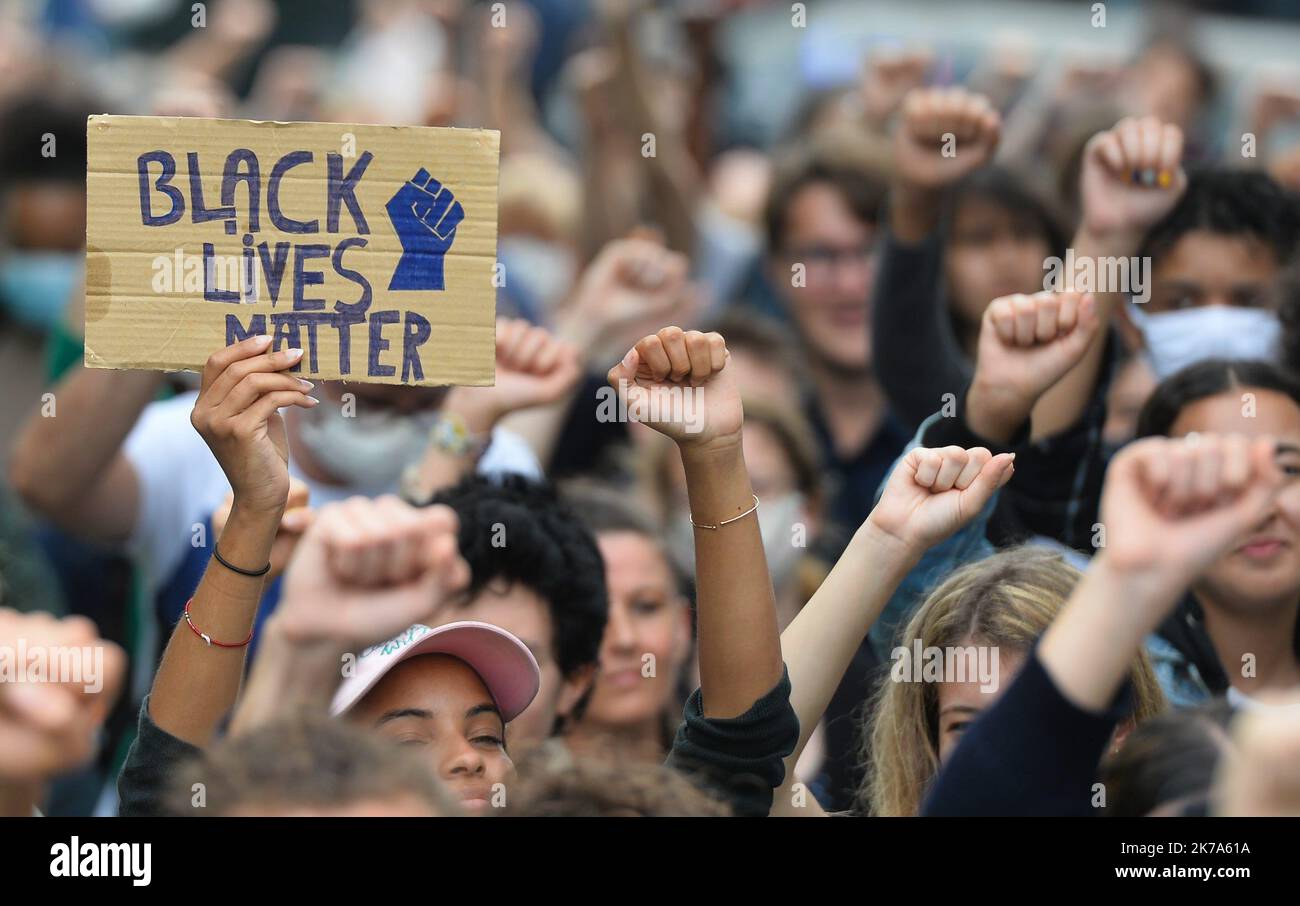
point(237, 412)
point(425, 215)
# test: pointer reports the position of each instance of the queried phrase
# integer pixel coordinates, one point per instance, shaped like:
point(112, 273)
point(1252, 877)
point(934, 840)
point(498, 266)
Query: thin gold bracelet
point(726, 521)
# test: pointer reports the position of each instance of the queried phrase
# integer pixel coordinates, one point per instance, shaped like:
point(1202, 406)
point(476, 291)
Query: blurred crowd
point(877, 236)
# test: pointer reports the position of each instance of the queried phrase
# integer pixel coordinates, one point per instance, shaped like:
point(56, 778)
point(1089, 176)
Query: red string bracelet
point(207, 638)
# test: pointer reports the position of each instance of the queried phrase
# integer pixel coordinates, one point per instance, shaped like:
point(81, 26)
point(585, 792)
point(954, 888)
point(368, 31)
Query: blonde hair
point(1007, 600)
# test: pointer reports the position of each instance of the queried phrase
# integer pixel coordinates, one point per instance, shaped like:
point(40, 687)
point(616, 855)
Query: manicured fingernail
point(294, 354)
point(313, 400)
point(1136, 176)
point(1164, 179)
point(263, 341)
point(306, 385)
point(629, 358)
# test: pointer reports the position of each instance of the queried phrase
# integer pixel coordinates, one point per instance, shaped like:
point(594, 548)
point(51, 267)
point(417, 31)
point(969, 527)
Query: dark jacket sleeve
point(955, 431)
point(739, 759)
point(914, 350)
point(142, 787)
point(1056, 492)
point(1033, 753)
point(1057, 489)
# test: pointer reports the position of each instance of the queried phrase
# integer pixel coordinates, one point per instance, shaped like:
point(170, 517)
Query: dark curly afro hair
point(515, 530)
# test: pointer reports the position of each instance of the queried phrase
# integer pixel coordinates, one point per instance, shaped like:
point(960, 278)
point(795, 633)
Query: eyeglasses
point(825, 258)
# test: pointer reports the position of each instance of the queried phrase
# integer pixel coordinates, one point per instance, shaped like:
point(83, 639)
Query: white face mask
point(776, 521)
point(544, 270)
point(1176, 339)
point(368, 451)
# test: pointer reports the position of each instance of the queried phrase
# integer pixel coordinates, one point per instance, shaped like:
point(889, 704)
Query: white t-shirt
point(181, 483)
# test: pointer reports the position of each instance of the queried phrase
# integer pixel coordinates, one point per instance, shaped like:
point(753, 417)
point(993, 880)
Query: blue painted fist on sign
point(425, 215)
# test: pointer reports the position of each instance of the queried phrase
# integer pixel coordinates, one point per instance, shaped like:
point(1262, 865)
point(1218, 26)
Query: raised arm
point(1026, 343)
point(1059, 480)
point(244, 386)
point(505, 57)
point(941, 135)
point(535, 371)
point(1132, 176)
point(929, 496)
point(677, 382)
point(674, 182)
point(68, 465)
point(1171, 507)
point(630, 288)
point(365, 571)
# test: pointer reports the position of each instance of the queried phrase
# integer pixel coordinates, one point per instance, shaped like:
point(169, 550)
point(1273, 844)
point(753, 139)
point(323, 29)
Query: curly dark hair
point(1233, 203)
point(546, 549)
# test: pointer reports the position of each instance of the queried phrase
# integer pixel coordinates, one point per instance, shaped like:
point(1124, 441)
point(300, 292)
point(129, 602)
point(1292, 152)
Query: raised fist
point(49, 722)
point(933, 492)
point(943, 134)
point(425, 215)
point(677, 382)
point(1026, 344)
point(1132, 176)
point(1172, 506)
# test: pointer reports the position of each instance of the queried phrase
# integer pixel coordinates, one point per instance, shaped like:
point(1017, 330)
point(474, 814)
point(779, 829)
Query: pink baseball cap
point(504, 663)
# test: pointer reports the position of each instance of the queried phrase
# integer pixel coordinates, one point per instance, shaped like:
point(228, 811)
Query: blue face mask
point(1176, 339)
point(35, 286)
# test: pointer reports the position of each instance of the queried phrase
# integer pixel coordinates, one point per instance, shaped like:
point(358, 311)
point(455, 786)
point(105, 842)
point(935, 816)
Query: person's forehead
point(984, 212)
point(430, 682)
point(1251, 411)
point(631, 560)
point(999, 663)
point(820, 210)
point(1216, 258)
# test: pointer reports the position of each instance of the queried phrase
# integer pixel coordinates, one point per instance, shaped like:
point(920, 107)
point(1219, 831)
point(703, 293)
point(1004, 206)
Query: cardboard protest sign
point(372, 248)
